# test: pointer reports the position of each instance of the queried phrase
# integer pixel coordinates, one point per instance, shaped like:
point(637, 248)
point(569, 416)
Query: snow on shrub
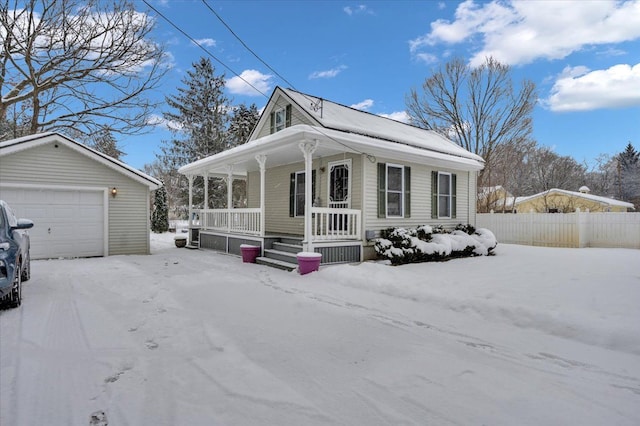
point(427, 244)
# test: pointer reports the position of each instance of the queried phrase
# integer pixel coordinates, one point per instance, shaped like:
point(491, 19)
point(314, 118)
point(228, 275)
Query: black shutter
point(288, 116)
point(434, 195)
point(292, 195)
point(407, 191)
point(382, 190)
point(273, 122)
point(453, 196)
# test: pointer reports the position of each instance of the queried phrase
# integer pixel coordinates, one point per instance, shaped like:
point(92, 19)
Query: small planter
point(249, 253)
point(180, 240)
point(308, 262)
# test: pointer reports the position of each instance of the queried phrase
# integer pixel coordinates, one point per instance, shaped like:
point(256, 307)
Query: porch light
point(114, 192)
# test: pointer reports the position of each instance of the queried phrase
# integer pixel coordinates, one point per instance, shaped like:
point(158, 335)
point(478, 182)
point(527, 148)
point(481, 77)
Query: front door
point(339, 192)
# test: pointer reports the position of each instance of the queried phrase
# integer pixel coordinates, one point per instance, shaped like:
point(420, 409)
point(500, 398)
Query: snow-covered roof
point(337, 129)
point(596, 198)
point(26, 142)
point(332, 115)
point(282, 148)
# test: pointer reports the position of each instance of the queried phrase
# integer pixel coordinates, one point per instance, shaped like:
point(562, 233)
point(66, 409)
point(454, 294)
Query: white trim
point(386, 190)
point(33, 141)
point(348, 163)
point(282, 110)
point(449, 195)
point(105, 202)
point(295, 192)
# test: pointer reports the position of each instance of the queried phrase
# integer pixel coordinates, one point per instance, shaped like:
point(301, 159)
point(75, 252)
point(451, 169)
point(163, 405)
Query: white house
point(328, 178)
point(83, 203)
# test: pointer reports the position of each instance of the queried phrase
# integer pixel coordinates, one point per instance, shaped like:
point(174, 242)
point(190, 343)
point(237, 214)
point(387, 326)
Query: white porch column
point(229, 194)
point(205, 204)
point(262, 161)
point(308, 148)
point(190, 179)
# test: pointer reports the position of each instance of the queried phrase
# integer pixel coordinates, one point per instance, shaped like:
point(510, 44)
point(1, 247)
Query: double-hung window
point(443, 195)
point(394, 190)
point(280, 119)
point(297, 189)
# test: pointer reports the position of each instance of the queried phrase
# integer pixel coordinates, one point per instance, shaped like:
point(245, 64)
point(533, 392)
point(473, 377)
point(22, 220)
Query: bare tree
point(548, 170)
point(78, 64)
point(476, 107)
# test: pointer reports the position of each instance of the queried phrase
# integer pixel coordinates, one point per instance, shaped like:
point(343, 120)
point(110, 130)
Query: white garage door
point(68, 222)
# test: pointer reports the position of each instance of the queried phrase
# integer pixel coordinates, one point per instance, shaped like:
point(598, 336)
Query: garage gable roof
point(27, 142)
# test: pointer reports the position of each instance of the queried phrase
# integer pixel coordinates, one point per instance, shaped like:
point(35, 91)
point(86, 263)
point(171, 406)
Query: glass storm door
point(339, 191)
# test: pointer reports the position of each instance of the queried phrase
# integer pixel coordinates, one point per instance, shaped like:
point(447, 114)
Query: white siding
point(128, 212)
point(277, 192)
point(420, 198)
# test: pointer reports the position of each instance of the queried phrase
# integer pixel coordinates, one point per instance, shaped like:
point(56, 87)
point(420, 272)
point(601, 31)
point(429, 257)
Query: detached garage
point(83, 203)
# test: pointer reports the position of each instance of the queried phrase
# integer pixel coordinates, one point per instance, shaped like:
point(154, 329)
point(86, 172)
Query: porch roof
point(281, 148)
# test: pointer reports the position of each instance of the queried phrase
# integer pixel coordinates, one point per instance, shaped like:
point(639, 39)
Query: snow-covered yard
point(529, 336)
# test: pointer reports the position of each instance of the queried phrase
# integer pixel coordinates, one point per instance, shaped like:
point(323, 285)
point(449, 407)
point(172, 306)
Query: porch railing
point(327, 224)
point(242, 221)
point(335, 224)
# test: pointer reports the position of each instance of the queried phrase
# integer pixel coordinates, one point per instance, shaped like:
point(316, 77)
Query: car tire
point(15, 298)
point(26, 271)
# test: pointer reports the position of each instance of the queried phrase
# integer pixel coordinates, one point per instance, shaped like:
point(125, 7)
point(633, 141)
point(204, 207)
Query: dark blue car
point(15, 265)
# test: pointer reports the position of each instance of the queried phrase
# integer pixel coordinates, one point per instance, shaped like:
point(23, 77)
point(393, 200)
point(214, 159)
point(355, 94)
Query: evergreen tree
point(242, 122)
point(160, 215)
point(199, 123)
point(105, 143)
point(628, 175)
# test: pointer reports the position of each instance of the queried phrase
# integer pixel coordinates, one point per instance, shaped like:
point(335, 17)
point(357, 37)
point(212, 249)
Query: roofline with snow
point(27, 142)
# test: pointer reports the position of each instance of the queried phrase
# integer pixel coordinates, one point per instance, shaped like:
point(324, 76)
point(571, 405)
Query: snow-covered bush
point(426, 243)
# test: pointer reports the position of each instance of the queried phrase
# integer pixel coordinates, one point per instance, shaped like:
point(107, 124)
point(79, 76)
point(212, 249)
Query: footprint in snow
point(98, 418)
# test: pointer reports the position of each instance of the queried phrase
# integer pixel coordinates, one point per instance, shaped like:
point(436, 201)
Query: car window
point(11, 218)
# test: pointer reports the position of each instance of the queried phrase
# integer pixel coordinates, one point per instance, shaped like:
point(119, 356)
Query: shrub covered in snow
point(426, 243)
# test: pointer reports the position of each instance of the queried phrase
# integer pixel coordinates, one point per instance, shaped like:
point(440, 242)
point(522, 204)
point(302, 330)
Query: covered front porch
point(327, 224)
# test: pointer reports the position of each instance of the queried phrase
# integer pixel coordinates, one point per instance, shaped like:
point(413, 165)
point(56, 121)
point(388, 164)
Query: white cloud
point(427, 58)
point(579, 89)
point(327, 74)
point(159, 121)
point(206, 42)
point(239, 86)
point(364, 105)
point(401, 116)
point(357, 10)
point(519, 32)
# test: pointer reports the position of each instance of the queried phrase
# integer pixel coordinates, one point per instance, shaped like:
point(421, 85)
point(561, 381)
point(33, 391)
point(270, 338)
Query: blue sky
point(584, 57)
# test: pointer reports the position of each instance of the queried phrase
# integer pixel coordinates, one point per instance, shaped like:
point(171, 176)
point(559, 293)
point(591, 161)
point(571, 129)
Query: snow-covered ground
point(531, 336)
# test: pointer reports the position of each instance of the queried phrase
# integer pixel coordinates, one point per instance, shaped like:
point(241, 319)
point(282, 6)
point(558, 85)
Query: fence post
point(531, 227)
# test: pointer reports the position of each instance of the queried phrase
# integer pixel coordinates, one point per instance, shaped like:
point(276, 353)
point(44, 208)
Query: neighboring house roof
point(595, 198)
point(27, 142)
point(339, 129)
point(486, 191)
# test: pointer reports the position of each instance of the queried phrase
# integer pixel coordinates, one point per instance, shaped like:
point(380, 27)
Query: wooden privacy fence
point(579, 229)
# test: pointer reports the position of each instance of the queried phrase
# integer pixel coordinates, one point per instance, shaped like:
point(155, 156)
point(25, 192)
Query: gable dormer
point(281, 112)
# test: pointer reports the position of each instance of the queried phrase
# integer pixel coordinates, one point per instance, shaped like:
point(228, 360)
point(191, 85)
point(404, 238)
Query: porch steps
point(282, 255)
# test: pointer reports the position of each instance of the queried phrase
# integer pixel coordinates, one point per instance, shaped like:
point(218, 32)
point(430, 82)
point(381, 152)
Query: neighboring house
point(83, 203)
point(563, 201)
point(333, 177)
point(494, 198)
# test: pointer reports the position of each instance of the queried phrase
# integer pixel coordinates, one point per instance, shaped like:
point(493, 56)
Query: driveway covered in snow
point(529, 336)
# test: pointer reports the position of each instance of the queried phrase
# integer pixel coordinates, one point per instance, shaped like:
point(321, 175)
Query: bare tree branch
point(82, 65)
